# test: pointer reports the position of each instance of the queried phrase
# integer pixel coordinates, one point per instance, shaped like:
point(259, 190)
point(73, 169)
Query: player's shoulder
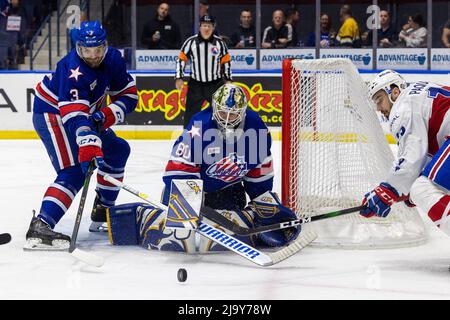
point(113, 57)
point(253, 120)
point(73, 69)
point(204, 117)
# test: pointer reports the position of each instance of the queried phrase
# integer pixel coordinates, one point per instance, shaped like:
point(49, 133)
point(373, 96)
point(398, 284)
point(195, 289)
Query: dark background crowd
point(284, 24)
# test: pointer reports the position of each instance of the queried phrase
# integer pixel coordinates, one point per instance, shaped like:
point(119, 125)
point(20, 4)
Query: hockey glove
point(108, 116)
point(268, 209)
point(379, 201)
point(90, 148)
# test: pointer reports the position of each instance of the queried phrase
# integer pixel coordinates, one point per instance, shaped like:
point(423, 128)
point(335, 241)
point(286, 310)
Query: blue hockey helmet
point(91, 44)
point(91, 34)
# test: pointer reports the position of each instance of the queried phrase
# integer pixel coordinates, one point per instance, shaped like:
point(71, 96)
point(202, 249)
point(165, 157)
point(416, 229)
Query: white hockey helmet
point(384, 80)
point(229, 104)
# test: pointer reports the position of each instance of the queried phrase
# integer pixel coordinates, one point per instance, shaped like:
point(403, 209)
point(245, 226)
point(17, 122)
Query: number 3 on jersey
point(74, 94)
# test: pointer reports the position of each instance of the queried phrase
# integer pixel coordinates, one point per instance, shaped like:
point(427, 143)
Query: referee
point(210, 66)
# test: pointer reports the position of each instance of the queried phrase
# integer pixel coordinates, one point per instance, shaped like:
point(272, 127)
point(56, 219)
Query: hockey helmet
point(91, 44)
point(384, 80)
point(229, 104)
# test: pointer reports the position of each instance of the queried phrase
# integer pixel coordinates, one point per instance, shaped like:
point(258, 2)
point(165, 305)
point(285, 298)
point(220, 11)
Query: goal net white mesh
point(335, 152)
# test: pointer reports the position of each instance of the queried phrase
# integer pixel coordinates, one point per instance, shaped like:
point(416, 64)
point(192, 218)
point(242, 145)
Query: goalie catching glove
point(268, 209)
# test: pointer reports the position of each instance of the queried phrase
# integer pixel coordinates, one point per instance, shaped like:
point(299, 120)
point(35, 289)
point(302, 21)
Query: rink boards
point(161, 107)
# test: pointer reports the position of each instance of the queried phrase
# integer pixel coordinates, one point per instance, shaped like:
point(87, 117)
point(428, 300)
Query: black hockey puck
point(182, 275)
point(5, 238)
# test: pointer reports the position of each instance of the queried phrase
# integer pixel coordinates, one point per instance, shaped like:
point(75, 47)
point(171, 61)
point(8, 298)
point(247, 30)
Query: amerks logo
point(228, 169)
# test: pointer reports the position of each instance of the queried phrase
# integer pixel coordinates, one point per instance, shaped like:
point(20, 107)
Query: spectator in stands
point(244, 36)
point(292, 17)
point(17, 54)
point(327, 33)
point(387, 34)
point(414, 34)
point(115, 25)
point(348, 35)
point(279, 34)
point(162, 32)
point(446, 35)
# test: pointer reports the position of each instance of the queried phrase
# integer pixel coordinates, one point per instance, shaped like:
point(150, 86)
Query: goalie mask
point(91, 44)
point(383, 81)
point(229, 104)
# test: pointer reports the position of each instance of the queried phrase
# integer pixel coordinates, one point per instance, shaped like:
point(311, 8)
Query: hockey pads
point(378, 202)
point(90, 148)
point(268, 209)
point(108, 116)
point(186, 197)
point(122, 225)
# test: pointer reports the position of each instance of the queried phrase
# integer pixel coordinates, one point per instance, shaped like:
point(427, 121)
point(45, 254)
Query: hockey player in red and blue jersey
point(73, 121)
point(419, 119)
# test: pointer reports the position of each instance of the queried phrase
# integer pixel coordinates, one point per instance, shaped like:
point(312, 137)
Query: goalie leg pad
point(122, 226)
point(268, 209)
point(154, 235)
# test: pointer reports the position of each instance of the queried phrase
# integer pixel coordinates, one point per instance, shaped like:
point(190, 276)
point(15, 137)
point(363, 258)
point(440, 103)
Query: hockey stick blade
point(242, 231)
point(5, 238)
point(231, 243)
point(88, 258)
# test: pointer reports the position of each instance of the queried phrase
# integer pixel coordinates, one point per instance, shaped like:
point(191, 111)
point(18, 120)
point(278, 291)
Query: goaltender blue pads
point(268, 209)
point(184, 204)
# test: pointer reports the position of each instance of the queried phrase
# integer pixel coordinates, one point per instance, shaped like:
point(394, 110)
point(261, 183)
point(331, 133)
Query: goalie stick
point(82, 255)
point(5, 238)
point(231, 243)
point(242, 231)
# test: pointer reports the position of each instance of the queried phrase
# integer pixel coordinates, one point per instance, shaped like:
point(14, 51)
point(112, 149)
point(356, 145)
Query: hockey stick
point(231, 243)
point(242, 231)
point(5, 238)
point(84, 256)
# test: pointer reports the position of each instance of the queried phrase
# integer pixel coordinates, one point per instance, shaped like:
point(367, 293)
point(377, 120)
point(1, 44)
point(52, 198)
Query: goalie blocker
point(173, 230)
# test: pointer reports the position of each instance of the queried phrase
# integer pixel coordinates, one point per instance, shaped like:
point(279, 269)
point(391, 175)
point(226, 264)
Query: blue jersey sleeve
point(182, 163)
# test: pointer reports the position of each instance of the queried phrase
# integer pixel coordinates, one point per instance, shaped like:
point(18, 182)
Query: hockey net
point(334, 150)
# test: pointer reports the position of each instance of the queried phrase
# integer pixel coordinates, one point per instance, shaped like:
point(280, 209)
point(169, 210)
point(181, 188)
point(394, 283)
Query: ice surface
point(134, 273)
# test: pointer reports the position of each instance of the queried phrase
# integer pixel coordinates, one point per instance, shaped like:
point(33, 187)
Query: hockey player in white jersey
point(419, 119)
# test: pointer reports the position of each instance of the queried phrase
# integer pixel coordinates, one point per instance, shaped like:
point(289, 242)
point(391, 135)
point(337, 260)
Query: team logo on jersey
point(215, 50)
point(228, 169)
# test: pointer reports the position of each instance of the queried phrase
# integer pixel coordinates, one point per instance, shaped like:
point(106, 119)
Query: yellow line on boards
point(150, 135)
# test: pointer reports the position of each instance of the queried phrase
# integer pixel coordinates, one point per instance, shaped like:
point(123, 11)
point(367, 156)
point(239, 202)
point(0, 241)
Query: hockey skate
point(40, 237)
point(98, 217)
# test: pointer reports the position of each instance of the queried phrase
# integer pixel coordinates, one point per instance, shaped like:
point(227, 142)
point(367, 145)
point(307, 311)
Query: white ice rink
point(134, 273)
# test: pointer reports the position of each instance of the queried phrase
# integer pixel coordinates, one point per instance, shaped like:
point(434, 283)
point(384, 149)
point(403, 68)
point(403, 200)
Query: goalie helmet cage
point(334, 150)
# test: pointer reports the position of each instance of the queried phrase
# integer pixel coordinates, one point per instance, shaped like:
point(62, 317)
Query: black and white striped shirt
point(210, 59)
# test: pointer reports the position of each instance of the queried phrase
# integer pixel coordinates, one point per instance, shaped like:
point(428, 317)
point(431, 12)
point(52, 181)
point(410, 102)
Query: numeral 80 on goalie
point(183, 150)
